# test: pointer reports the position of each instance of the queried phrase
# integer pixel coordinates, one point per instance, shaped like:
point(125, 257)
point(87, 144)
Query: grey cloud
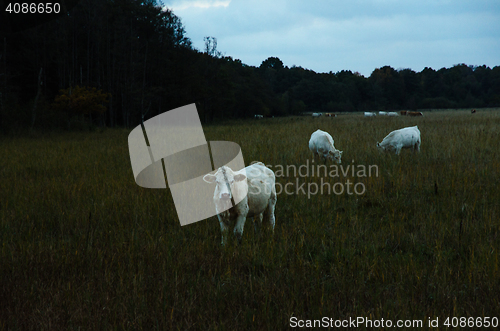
point(352, 35)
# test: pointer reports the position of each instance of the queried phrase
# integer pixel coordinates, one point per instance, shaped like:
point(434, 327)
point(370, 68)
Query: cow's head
point(335, 156)
point(380, 148)
point(225, 180)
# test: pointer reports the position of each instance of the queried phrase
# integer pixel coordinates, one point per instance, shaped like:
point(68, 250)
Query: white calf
point(403, 138)
point(321, 144)
point(253, 192)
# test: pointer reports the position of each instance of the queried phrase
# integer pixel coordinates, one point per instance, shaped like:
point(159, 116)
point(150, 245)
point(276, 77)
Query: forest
point(119, 62)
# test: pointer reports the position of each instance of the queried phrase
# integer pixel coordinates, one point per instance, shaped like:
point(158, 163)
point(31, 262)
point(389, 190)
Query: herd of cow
point(393, 113)
point(251, 192)
point(370, 114)
point(322, 144)
point(325, 114)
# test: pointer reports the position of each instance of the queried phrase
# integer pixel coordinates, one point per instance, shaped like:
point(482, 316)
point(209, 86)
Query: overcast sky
point(356, 35)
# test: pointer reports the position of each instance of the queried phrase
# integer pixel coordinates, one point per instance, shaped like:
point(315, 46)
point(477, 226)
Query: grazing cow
point(403, 138)
point(403, 112)
point(316, 114)
point(382, 113)
point(369, 114)
point(259, 116)
point(321, 144)
point(392, 113)
point(330, 115)
point(473, 111)
point(414, 113)
point(250, 192)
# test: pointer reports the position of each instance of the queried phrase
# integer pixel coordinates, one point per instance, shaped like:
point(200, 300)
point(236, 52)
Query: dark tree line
point(137, 52)
point(461, 86)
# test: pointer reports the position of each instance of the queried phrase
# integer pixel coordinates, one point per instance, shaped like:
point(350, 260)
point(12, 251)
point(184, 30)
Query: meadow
point(83, 247)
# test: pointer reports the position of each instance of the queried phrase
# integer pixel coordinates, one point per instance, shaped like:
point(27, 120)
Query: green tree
point(80, 101)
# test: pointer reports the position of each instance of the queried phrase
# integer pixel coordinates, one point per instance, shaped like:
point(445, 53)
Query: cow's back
point(413, 134)
point(391, 138)
point(261, 185)
point(405, 137)
point(320, 141)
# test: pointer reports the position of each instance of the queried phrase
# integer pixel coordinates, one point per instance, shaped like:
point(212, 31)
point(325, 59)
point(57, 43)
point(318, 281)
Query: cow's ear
point(209, 178)
point(239, 177)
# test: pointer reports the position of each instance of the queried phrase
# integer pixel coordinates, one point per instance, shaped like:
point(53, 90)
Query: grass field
point(83, 247)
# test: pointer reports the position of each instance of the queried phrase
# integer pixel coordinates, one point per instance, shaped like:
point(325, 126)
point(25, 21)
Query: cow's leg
point(257, 223)
point(398, 149)
point(240, 225)
point(325, 158)
point(269, 212)
point(224, 228)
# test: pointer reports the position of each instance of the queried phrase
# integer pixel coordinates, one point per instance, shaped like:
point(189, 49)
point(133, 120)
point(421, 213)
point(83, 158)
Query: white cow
point(403, 138)
point(316, 114)
point(382, 113)
point(253, 192)
point(392, 113)
point(321, 144)
point(369, 114)
point(259, 116)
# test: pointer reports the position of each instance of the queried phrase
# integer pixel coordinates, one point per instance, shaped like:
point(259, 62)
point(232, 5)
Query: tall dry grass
point(83, 247)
